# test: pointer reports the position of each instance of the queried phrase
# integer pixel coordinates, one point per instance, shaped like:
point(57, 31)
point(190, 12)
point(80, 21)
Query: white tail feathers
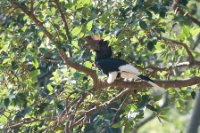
point(154, 85)
point(157, 90)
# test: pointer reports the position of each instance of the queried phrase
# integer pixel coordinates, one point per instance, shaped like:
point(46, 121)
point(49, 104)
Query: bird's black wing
point(110, 64)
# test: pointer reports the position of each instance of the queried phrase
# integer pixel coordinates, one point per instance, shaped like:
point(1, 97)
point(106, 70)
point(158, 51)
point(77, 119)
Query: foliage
point(39, 92)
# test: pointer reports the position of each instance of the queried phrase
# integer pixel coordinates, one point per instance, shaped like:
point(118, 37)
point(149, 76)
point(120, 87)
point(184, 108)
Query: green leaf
point(82, 3)
point(88, 64)
point(3, 119)
point(118, 124)
point(35, 63)
point(76, 30)
point(50, 88)
point(89, 25)
point(7, 60)
point(143, 24)
point(35, 73)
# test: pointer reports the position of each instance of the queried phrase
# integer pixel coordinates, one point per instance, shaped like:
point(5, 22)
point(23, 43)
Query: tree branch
point(64, 20)
point(97, 84)
point(118, 110)
point(152, 116)
point(30, 120)
point(65, 25)
point(32, 16)
point(76, 66)
point(178, 9)
point(191, 57)
point(100, 107)
point(142, 85)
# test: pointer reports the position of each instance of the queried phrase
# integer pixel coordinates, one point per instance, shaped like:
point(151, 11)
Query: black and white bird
point(113, 66)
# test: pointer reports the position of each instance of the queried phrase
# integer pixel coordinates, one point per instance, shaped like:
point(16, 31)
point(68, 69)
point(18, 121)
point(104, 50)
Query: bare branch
point(100, 107)
point(108, 103)
point(152, 116)
point(30, 120)
point(118, 110)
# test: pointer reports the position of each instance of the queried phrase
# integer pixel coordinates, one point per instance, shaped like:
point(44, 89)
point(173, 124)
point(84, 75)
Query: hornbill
point(113, 66)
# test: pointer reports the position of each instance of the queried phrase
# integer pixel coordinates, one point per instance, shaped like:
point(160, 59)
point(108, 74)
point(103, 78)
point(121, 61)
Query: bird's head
point(92, 42)
point(99, 46)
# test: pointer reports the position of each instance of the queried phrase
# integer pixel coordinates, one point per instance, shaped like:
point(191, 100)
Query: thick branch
point(164, 84)
point(80, 68)
point(76, 66)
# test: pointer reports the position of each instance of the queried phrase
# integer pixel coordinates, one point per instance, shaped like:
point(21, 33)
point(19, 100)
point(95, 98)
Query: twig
point(191, 57)
point(51, 61)
point(108, 103)
point(32, 6)
point(118, 110)
point(150, 117)
point(65, 25)
point(30, 120)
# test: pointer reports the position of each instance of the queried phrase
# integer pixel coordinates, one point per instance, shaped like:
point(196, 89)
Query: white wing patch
point(128, 75)
point(129, 72)
point(112, 76)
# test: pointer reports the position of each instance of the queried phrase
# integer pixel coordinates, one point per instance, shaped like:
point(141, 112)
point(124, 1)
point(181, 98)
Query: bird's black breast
point(109, 64)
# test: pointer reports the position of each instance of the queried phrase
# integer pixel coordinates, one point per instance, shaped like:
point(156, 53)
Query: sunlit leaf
point(76, 30)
